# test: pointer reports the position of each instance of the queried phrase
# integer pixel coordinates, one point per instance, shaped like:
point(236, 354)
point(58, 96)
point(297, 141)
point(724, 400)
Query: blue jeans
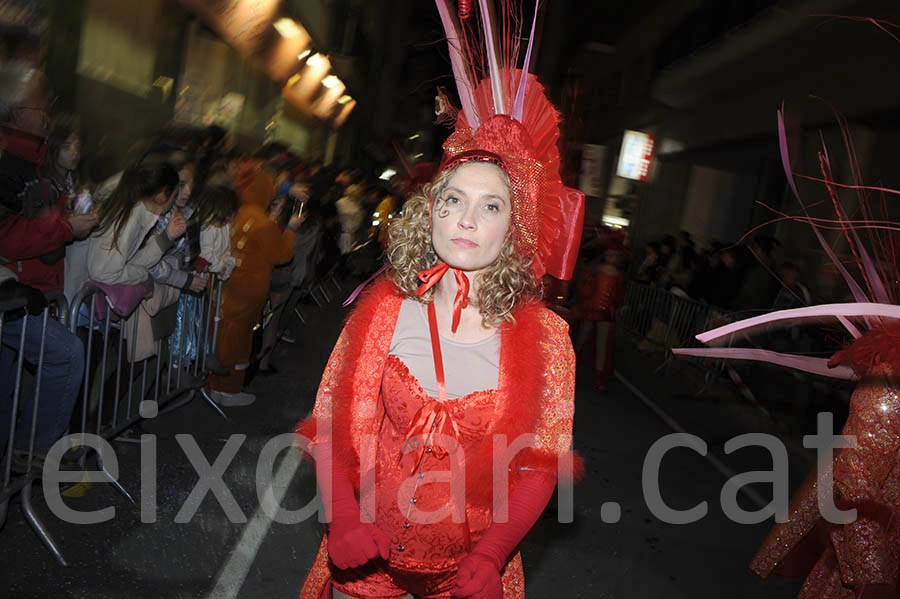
point(63, 367)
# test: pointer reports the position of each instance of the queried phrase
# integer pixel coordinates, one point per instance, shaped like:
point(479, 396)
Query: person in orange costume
point(257, 245)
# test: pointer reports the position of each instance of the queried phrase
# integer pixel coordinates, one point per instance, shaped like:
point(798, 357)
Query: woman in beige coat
point(123, 251)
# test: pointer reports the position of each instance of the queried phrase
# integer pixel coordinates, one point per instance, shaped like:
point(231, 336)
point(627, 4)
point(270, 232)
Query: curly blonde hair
point(508, 281)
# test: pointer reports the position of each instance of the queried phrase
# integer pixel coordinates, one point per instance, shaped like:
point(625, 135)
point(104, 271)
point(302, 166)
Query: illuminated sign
point(635, 156)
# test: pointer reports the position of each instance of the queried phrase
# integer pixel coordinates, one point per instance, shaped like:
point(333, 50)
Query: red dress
point(423, 529)
point(369, 403)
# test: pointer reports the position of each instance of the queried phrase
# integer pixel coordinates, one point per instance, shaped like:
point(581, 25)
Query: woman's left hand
point(477, 578)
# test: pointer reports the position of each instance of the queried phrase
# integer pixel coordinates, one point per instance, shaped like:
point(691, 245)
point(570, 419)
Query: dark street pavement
point(210, 556)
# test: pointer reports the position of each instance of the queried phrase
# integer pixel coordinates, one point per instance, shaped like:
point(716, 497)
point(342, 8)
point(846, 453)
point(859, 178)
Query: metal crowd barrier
point(664, 320)
point(324, 289)
point(181, 374)
point(660, 321)
point(118, 389)
point(17, 463)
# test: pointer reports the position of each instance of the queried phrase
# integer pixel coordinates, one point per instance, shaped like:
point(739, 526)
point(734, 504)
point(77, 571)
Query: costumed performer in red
point(600, 294)
point(448, 358)
point(858, 558)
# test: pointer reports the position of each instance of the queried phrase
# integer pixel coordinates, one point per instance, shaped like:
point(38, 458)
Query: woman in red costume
point(602, 291)
point(444, 416)
point(859, 559)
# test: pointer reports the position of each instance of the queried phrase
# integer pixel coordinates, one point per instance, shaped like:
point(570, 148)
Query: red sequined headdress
point(506, 119)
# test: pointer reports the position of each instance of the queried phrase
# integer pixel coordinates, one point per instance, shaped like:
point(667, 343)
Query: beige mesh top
point(468, 367)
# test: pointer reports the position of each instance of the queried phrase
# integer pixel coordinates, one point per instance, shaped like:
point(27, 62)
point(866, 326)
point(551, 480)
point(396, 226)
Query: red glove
point(351, 543)
point(477, 578)
point(479, 572)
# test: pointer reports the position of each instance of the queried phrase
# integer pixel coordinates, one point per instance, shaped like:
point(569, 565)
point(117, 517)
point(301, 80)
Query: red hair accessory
point(507, 120)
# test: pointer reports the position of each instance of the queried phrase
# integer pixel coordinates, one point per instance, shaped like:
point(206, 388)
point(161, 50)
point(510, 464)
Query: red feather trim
point(356, 329)
point(878, 345)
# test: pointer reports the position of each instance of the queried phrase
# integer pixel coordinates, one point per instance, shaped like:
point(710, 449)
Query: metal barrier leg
point(38, 526)
point(102, 374)
point(182, 357)
point(172, 406)
point(144, 365)
point(171, 348)
point(218, 317)
point(118, 393)
point(158, 366)
point(131, 360)
point(37, 390)
point(204, 327)
point(86, 380)
point(199, 319)
point(10, 447)
point(205, 395)
point(112, 480)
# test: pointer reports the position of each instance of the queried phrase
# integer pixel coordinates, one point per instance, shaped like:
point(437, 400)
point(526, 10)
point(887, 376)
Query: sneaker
point(288, 336)
point(230, 400)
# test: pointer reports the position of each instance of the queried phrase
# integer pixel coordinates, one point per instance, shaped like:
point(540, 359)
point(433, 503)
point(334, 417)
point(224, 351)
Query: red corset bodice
point(404, 397)
point(433, 540)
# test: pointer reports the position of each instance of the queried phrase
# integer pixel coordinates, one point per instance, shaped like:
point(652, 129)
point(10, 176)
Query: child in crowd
point(215, 210)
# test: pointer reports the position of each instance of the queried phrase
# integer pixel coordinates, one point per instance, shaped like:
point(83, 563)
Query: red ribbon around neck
point(430, 278)
point(434, 417)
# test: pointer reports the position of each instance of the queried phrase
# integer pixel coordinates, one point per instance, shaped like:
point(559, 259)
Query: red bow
point(430, 278)
point(432, 418)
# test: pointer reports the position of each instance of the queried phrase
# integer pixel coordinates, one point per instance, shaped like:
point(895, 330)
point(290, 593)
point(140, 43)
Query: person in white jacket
point(121, 251)
point(125, 248)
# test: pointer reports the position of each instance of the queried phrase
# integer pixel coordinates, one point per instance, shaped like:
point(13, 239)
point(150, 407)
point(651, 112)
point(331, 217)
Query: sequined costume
point(859, 560)
point(365, 391)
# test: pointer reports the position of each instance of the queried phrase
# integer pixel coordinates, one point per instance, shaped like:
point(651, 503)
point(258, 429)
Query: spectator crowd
point(152, 234)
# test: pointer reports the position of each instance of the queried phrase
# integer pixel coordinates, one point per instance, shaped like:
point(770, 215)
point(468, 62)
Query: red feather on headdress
point(509, 115)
